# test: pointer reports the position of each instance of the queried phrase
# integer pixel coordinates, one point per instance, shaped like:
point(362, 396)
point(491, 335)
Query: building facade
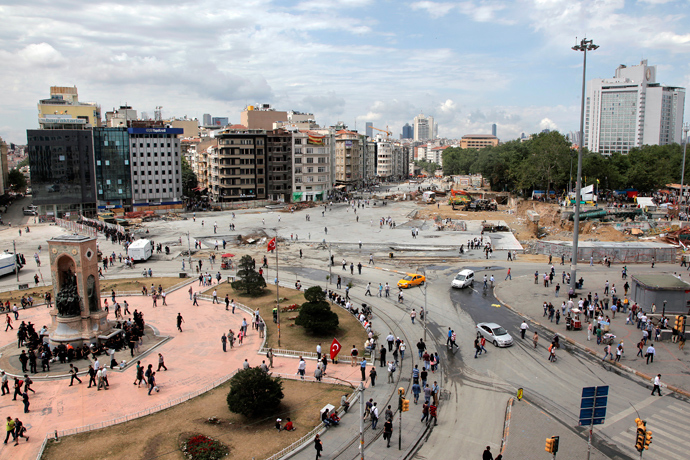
point(112, 168)
point(348, 159)
point(64, 106)
point(279, 150)
point(261, 116)
point(237, 166)
point(478, 141)
point(63, 178)
point(156, 167)
point(312, 165)
point(423, 128)
point(407, 132)
point(631, 110)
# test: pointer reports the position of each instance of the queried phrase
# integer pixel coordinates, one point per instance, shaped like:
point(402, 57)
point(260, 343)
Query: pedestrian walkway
point(528, 429)
point(525, 297)
point(57, 406)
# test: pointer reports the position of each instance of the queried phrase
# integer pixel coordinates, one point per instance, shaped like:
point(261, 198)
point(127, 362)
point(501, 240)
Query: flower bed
point(200, 447)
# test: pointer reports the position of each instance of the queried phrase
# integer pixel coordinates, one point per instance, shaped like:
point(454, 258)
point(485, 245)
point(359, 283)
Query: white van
point(140, 250)
point(463, 279)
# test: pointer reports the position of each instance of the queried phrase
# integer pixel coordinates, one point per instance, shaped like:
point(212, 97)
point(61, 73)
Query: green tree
point(428, 166)
point(189, 179)
point(316, 315)
point(254, 393)
point(17, 181)
point(249, 280)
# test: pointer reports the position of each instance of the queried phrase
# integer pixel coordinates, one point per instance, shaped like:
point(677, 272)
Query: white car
point(495, 334)
point(463, 279)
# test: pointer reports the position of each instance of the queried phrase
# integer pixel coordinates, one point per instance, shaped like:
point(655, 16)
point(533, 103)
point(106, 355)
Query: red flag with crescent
point(271, 245)
point(335, 348)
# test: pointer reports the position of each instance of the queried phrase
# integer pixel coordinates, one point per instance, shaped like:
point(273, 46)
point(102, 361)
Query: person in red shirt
point(432, 414)
point(288, 425)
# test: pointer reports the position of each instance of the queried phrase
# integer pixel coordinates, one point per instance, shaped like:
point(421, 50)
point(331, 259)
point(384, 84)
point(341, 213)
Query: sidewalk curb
point(588, 350)
point(506, 424)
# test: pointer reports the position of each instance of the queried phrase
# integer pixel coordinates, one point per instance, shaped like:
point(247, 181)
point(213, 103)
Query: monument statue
point(67, 300)
point(92, 294)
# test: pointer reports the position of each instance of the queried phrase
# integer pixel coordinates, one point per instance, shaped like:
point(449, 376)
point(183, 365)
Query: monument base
point(77, 330)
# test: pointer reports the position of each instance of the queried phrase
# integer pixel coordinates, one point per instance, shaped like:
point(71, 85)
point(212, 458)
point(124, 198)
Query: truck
point(429, 197)
point(140, 250)
point(7, 263)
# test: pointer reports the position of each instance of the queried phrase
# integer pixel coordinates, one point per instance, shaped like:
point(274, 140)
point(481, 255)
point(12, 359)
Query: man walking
point(523, 328)
point(73, 374)
point(180, 320)
point(388, 432)
point(509, 276)
point(657, 385)
point(161, 362)
point(650, 353)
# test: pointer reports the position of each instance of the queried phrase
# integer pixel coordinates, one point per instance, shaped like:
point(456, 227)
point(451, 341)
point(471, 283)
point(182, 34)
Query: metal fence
point(76, 227)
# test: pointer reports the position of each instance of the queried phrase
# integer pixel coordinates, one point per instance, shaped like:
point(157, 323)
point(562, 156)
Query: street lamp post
point(686, 128)
point(584, 46)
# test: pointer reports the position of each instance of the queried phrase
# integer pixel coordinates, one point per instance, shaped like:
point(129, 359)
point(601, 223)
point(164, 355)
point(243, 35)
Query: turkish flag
point(335, 348)
point(271, 245)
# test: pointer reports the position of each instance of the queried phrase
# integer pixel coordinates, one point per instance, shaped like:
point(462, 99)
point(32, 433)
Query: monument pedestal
point(77, 317)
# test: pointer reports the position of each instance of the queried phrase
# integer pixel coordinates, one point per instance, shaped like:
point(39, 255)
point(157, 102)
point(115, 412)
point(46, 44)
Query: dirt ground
point(294, 337)
point(516, 217)
point(106, 286)
point(157, 435)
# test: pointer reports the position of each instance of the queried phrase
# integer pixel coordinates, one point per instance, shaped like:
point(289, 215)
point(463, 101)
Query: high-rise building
point(4, 166)
point(63, 179)
point(261, 116)
point(156, 166)
point(279, 146)
point(112, 166)
point(237, 167)
point(369, 129)
point(407, 132)
point(424, 128)
point(493, 130)
point(220, 121)
point(632, 109)
point(206, 119)
point(63, 109)
point(348, 159)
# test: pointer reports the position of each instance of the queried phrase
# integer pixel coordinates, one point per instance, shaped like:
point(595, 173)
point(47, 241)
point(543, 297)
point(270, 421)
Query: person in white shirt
point(318, 351)
point(523, 328)
point(650, 353)
point(657, 385)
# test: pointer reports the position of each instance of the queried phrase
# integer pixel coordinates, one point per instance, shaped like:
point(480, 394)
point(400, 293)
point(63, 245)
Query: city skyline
point(467, 64)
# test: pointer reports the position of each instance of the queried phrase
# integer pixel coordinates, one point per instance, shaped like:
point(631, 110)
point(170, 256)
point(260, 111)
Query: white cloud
point(434, 9)
point(548, 124)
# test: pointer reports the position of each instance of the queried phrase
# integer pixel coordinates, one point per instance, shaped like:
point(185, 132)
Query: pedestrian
point(19, 430)
point(180, 320)
point(25, 400)
point(73, 374)
point(416, 390)
point(9, 428)
point(391, 371)
point(388, 432)
point(318, 446)
point(650, 353)
point(363, 368)
point(151, 382)
point(607, 349)
point(224, 341)
point(374, 416)
point(523, 328)
point(432, 414)
point(382, 356)
point(161, 362)
point(657, 385)
point(92, 376)
point(301, 367)
point(372, 376)
point(487, 455)
point(425, 412)
point(5, 383)
point(619, 352)
point(509, 276)
point(269, 355)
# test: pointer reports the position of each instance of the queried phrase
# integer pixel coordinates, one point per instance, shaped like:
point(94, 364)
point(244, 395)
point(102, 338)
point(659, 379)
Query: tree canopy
point(254, 393)
point(316, 315)
point(249, 280)
point(17, 181)
point(547, 161)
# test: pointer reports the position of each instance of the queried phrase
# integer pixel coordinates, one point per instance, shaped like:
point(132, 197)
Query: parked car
point(463, 279)
point(495, 334)
point(410, 280)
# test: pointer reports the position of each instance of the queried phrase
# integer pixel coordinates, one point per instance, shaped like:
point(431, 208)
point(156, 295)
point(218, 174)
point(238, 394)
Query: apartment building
point(349, 148)
point(279, 151)
point(312, 165)
point(237, 166)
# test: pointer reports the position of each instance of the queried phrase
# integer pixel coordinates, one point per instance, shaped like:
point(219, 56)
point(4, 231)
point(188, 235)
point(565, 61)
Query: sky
point(468, 64)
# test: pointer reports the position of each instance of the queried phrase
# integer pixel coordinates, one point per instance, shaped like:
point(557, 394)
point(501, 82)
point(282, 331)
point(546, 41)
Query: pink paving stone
point(194, 358)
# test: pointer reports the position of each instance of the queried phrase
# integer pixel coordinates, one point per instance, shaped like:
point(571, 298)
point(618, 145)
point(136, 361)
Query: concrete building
point(384, 158)
point(63, 178)
point(63, 109)
point(120, 118)
point(156, 167)
point(424, 128)
point(206, 119)
point(368, 161)
point(4, 166)
point(632, 109)
point(312, 165)
point(478, 141)
point(369, 129)
point(407, 132)
point(112, 168)
point(261, 116)
point(279, 148)
point(435, 154)
point(190, 128)
point(665, 290)
point(237, 167)
point(348, 158)
point(220, 121)
point(493, 130)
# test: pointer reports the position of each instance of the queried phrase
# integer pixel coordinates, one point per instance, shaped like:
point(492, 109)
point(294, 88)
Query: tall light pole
point(686, 128)
point(584, 46)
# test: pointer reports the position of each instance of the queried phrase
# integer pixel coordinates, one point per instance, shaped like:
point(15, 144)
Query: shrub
point(316, 315)
point(254, 393)
point(249, 280)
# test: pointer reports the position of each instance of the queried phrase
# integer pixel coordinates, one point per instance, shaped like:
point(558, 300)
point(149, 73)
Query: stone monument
point(77, 317)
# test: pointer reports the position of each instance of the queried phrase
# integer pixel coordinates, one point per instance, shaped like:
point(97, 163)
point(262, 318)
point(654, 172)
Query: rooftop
point(666, 282)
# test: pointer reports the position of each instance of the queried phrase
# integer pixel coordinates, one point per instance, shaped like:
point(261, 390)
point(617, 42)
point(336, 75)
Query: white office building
point(424, 128)
point(156, 166)
point(631, 110)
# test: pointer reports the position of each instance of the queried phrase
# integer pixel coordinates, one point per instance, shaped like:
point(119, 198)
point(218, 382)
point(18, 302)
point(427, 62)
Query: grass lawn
point(126, 284)
point(293, 337)
point(158, 435)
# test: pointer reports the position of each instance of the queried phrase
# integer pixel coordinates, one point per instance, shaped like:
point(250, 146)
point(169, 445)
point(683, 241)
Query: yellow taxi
point(410, 280)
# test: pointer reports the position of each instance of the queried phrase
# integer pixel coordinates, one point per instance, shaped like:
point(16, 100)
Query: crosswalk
point(670, 437)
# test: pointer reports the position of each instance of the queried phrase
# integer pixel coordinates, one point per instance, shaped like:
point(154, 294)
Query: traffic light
point(678, 323)
point(647, 439)
point(401, 391)
point(552, 444)
point(641, 432)
point(406, 405)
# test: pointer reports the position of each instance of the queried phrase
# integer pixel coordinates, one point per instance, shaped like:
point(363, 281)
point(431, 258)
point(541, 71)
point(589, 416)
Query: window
point(310, 160)
point(322, 169)
point(298, 161)
point(310, 150)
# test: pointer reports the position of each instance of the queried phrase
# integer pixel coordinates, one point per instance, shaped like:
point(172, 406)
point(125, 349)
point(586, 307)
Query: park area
point(160, 435)
point(292, 337)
